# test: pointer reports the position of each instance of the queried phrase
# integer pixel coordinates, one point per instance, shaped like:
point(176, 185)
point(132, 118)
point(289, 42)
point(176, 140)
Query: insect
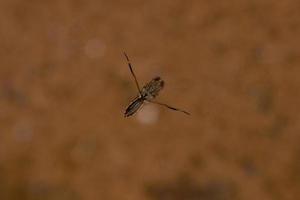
point(146, 94)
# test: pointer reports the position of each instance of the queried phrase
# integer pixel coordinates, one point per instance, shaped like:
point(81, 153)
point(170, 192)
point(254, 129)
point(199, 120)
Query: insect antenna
point(131, 70)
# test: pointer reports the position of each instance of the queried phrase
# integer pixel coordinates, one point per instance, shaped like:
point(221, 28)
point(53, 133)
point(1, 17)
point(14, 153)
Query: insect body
point(134, 106)
point(147, 93)
point(151, 89)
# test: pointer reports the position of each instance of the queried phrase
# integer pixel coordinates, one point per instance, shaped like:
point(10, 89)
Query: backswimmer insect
point(147, 93)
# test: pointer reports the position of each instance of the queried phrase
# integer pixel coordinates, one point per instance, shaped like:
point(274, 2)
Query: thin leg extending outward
point(170, 107)
point(131, 70)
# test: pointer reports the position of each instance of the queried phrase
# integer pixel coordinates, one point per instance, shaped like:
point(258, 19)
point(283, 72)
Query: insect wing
point(152, 88)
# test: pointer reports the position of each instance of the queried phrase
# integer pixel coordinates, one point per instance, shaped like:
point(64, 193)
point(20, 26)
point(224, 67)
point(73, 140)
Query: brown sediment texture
point(64, 85)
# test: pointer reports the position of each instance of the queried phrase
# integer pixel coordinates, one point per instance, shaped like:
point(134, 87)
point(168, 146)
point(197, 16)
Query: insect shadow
point(146, 94)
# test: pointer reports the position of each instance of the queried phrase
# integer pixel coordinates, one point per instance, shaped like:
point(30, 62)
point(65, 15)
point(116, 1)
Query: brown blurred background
point(64, 85)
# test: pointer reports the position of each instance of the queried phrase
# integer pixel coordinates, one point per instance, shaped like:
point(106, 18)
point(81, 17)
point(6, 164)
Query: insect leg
point(131, 70)
point(170, 107)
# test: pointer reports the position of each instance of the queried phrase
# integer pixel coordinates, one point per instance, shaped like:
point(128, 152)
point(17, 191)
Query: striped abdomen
point(134, 106)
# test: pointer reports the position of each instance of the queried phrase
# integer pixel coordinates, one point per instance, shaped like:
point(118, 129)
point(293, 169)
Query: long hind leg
point(131, 70)
point(170, 107)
